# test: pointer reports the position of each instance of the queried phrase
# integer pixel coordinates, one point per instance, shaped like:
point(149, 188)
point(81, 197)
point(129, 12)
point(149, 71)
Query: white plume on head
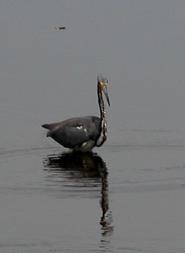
point(101, 78)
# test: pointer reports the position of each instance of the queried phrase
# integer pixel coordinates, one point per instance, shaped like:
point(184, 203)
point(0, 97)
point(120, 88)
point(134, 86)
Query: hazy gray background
point(48, 75)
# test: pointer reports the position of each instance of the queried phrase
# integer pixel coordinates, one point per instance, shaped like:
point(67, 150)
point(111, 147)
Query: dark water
point(129, 195)
point(129, 199)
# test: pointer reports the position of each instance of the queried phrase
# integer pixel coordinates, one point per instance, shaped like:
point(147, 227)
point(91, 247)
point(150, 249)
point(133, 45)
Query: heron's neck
point(103, 123)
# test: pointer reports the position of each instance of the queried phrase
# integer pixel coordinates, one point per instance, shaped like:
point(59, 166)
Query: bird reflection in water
point(89, 166)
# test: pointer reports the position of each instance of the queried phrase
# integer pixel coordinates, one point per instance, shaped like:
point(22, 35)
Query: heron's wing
point(75, 131)
point(70, 136)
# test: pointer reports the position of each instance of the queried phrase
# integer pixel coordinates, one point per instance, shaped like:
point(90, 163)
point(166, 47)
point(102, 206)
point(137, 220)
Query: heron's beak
point(105, 92)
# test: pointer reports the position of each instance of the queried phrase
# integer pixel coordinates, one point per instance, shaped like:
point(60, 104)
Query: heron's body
point(81, 133)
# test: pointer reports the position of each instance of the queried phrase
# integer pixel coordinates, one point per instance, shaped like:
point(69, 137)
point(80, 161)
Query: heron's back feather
point(75, 131)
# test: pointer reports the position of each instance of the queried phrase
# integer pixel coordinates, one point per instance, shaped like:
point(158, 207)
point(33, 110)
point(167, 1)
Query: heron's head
point(102, 85)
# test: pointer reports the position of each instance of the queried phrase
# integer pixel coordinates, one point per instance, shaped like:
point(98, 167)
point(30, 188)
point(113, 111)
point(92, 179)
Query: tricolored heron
point(83, 133)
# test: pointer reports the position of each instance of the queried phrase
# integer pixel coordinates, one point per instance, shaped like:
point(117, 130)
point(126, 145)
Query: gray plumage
point(82, 133)
point(72, 133)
